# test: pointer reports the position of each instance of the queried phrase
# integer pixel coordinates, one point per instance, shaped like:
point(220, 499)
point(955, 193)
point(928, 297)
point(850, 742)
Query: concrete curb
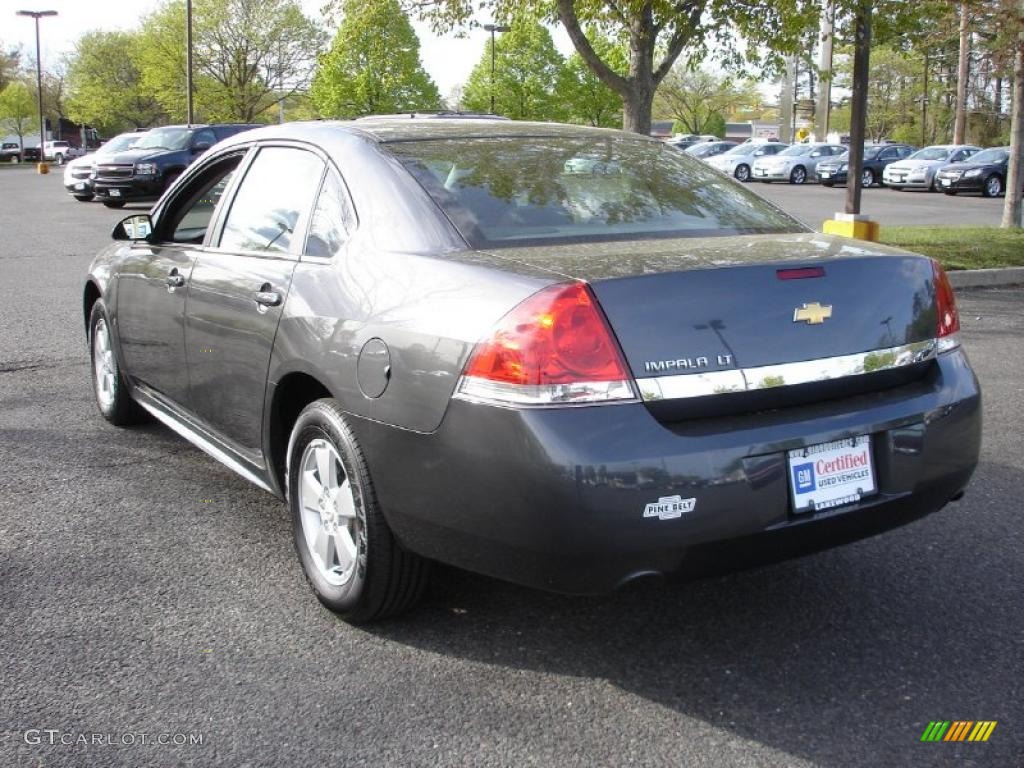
point(983, 278)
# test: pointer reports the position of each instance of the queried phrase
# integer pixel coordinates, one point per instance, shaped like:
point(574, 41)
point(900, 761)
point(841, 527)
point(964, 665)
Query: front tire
point(108, 384)
point(993, 186)
point(798, 175)
point(350, 558)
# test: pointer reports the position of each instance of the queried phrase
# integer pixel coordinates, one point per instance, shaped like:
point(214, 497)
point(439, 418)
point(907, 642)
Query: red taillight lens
point(554, 347)
point(945, 302)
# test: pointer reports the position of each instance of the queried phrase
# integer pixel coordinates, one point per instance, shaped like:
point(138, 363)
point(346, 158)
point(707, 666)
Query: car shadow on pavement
point(840, 658)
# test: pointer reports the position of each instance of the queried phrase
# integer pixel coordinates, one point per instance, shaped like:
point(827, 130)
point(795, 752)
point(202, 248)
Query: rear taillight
point(554, 348)
point(945, 305)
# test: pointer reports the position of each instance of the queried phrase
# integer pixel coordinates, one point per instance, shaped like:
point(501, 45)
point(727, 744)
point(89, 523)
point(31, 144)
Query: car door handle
point(268, 298)
point(174, 280)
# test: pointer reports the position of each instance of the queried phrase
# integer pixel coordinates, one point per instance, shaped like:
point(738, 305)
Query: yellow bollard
point(43, 168)
point(853, 225)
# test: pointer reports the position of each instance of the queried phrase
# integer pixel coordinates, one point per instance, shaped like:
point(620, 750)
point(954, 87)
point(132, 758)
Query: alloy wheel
point(330, 521)
point(104, 365)
point(867, 178)
point(993, 186)
point(742, 172)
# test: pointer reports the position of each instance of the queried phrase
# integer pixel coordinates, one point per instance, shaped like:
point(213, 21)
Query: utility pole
point(786, 103)
point(492, 28)
point(190, 116)
point(859, 104)
point(824, 106)
point(42, 168)
point(963, 72)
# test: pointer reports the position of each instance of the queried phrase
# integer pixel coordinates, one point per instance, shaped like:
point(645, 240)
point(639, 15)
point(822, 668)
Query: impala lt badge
point(812, 314)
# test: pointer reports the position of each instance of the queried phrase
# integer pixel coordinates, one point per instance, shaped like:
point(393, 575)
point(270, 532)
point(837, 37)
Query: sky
point(447, 59)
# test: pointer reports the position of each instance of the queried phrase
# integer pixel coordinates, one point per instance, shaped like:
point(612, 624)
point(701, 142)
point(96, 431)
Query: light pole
point(39, 85)
point(492, 28)
point(190, 117)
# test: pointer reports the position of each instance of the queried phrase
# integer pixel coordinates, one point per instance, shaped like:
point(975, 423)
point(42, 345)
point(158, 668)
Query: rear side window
point(333, 219)
point(276, 192)
point(514, 191)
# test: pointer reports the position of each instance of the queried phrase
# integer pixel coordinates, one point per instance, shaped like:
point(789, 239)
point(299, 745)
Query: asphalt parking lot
point(814, 203)
point(145, 589)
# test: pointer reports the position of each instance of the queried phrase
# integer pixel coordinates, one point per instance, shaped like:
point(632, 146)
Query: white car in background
point(78, 172)
point(794, 164)
point(739, 160)
point(918, 171)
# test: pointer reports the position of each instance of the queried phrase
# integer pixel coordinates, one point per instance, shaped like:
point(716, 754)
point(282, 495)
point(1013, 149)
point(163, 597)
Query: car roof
point(395, 130)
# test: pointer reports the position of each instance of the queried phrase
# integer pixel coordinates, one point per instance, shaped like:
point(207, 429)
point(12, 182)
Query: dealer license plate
point(831, 474)
point(825, 174)
point(114, 192)
point(946, 182)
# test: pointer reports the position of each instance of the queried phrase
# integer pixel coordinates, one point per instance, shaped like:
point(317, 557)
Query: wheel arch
point(292, 392)
point(90, 296)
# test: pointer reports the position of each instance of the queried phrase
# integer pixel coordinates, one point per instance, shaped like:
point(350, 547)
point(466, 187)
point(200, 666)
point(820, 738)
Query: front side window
point(511, 191)
point(190, 214)
point(277, 190)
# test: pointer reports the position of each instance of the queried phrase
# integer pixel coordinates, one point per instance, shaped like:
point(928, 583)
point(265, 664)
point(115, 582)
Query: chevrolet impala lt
point(564, 357)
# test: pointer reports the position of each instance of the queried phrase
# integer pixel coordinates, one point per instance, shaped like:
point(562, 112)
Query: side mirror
point(200, 146)
point(137, 227)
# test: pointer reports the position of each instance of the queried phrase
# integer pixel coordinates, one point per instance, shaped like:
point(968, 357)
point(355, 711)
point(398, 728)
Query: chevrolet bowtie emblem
point(812, 314)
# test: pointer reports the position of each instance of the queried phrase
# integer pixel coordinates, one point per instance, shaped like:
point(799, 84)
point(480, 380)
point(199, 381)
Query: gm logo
point(958, 730)
point(803, 477)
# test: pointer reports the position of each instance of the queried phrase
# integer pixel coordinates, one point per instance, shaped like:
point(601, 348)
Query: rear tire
point(114, 203)
point(109, 387)
point(349, 555)
point(867, 178)
point(742, 172)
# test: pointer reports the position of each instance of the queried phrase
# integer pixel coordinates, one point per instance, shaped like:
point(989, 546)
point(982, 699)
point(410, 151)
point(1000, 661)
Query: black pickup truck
point(145, 171)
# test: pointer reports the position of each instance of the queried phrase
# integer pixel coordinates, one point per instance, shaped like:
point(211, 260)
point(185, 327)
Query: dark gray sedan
point(435, 342)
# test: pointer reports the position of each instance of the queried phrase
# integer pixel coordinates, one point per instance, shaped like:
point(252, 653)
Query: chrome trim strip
point(198, 440)
point(787, 374)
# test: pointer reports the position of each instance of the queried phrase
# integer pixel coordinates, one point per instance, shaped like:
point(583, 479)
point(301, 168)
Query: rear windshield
point(993, 156)
point(533, 190)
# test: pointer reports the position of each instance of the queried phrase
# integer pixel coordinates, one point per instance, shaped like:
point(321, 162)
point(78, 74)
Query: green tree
point(373, 65)
point(18, 113)
point(584, 97)
point(655, 32)
point(699, 99)
point(105, 84)
point(247, 56)
point(526, 70)
point(10, 64)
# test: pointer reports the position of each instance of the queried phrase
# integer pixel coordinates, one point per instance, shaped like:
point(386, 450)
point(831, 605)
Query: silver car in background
point(794, 164)
point(739, 160)
point(918, 171)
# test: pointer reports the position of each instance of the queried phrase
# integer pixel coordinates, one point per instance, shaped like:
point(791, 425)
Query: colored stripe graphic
point(958, 730)
point(935, 730)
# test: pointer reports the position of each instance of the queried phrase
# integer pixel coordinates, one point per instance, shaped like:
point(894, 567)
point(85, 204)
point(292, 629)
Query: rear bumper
point(555, 498)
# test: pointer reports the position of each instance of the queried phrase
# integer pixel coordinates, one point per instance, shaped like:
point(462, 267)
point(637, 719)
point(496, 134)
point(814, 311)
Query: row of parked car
point(140, 165)
point(949, 168)
point(57, 152)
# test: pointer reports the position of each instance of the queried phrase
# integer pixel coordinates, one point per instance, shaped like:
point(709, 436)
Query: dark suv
point(144, 171)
